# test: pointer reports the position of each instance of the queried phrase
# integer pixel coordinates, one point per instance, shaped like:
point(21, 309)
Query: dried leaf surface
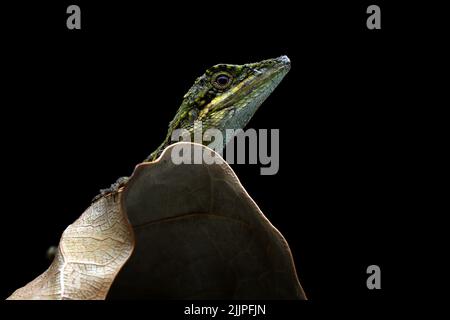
point(199, 235)
point(90, 254)
point(195, 232)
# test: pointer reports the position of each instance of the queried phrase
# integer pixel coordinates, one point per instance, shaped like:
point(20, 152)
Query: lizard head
point(226, 96)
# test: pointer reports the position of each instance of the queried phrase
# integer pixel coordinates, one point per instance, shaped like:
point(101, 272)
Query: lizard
point(225, 97)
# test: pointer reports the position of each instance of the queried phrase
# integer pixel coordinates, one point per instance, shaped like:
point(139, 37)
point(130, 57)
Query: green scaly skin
point(222, 104)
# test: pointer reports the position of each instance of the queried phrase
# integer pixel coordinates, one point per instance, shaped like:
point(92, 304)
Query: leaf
point(90, 254)
point(196, 234)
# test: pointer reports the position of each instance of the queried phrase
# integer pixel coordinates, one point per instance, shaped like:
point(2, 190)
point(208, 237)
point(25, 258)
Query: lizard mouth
point(269, 73)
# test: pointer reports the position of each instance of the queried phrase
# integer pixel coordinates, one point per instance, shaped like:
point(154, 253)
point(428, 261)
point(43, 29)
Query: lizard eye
point(221, 80)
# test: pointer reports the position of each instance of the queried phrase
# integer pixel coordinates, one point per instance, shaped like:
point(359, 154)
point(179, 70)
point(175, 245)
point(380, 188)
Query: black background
point(82, 108)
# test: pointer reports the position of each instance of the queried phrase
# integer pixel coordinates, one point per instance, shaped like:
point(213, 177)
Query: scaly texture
point(226, 97)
